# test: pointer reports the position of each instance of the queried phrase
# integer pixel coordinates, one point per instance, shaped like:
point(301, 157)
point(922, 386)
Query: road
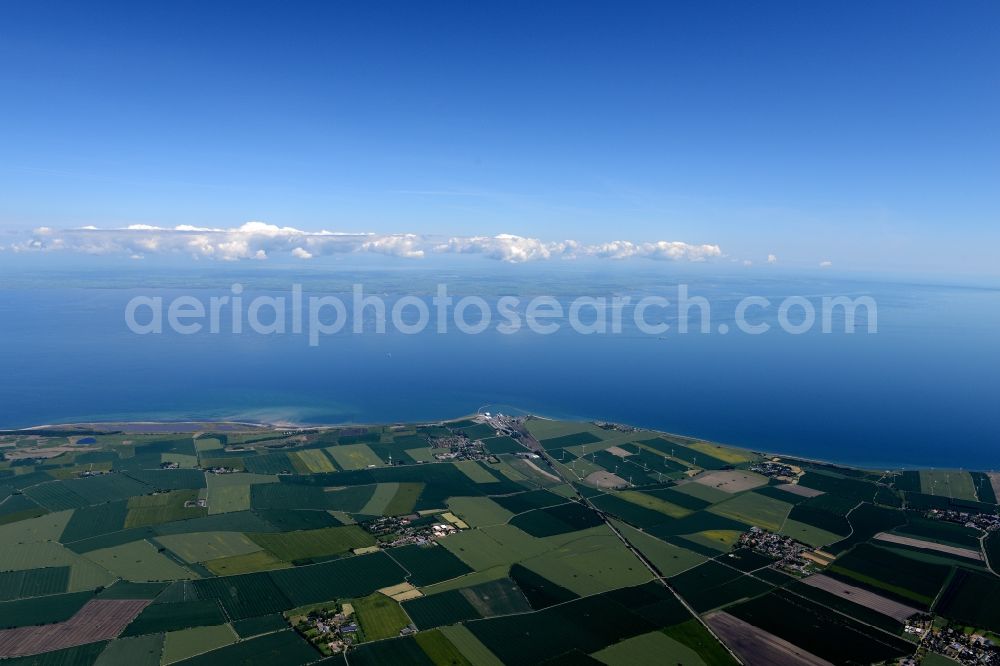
point(532, 443)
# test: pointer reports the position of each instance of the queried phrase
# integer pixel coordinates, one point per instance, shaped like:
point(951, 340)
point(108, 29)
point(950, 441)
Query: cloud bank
point(259, 241)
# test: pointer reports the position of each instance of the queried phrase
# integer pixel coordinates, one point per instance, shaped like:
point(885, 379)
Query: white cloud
point(259, 240)
point(668, 250)
point(747, 262)
point(404, 245)
point(772, 259)
point(507, 247)
point(825, 264)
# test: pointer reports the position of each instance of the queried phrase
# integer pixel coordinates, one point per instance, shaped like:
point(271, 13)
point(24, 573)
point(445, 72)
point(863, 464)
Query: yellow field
point(354, 456)
point(475, 471)
point(721, 540)
point(654, 503)
point(724, 453)
point(238, 564)
point(315, 461)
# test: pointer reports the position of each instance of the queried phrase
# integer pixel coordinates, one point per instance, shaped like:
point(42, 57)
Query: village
point(790, 554)
point(334, 629)
point(988, 522)
point(393, 531)
point(955, 643)
point(460, 447)
point(774, 469)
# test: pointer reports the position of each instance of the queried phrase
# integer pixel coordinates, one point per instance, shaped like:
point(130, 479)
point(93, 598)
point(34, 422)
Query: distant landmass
point(489, 539)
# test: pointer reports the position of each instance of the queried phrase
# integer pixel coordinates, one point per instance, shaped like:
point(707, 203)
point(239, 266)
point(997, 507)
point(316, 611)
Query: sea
point(922, 391)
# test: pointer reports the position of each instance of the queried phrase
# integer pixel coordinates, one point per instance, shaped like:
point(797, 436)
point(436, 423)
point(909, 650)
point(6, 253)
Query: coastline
point(194, 425)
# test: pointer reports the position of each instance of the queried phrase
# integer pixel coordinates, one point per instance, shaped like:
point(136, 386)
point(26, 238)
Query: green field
point(33, 582)
point(893, 573)
point(93, 520)
point(204, 546)
point(43, 528)
point(405, 500)
point(475, 471)
point(543, 570)
point(808, 534)
point(380, 616)
point(702, 492)
point(179, 645)
point(429, 563)
point(207, 444)
point(486, 599)
point(440, 650)
point(590, 564)
point(499, 545)
point(183, 460)
point(162, 508)
point(383, 494)
point(548, 429)
point(306, 544)
point(281, 648)
point(754, 509)
point(841, 639)
point(652, 649)
point(347, 577)
point(139, 561)
point(164, 617)
point(423, 454)
point(470, 647)
point(136, 651)
point(238, 564)
point(970, 598)
point(479, 511)
point(228, 498)
point(720, 540)
point(668, 558)
point(354, 456)
point(948, 483)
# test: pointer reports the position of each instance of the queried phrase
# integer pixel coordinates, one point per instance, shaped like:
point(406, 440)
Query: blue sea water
point(923, 391)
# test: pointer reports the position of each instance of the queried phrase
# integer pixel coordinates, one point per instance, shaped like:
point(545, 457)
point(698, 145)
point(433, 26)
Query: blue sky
point(864, 134)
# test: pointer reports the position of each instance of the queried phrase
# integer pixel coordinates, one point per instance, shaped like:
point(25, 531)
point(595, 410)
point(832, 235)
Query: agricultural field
point(231, 492)
point(379, 616)
point(307, 544)
point(948, 483)
point(204, 546)
point(173, 616)
point(139, 561)
point(479, 511)
point(314, 461)
point(809, 534)
point(186, 643)
point(755, 509)
point(163, 508)
point(354, 456)
point(97, 620)
point(614, 545)
point(650, 649)
point(260, 560)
